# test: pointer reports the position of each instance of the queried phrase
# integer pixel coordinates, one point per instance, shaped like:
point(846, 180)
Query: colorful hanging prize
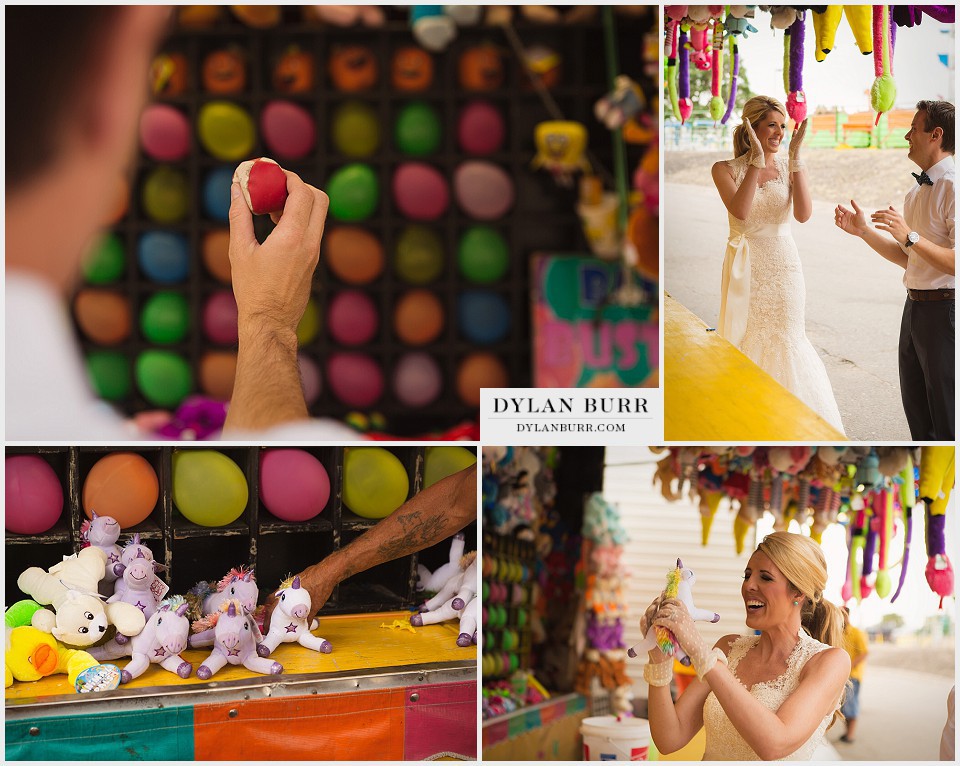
point(716, 102)
point(883, 92)
point(686, 105)
point(670, 71)
point(793, 69)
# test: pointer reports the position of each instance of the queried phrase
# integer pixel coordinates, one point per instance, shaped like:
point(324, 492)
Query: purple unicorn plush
point(290, 621)
point(206, 600)
point(103, 532)
point(134, 549)
point(140, 585)
point(161, 641)
point(236, 640)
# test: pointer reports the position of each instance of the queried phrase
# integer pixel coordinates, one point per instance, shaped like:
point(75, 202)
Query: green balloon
point(441, 462)
point(309, 326)
point(105, 262)
point(375, 483)
point(164, 378)
point(226, 130)
point(165, 318)
point(483, 255)
point(165, 195)
point(419, 255)
point(110, 374)
point(209, 488)
point(354, 192)
point(355, 129)
point(417, 129)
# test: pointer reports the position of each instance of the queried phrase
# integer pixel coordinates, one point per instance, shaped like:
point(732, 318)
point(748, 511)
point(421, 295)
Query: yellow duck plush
point(32, 654)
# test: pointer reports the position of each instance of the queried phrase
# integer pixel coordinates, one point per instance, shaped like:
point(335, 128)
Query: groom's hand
point(851, 221)
point(892, 222)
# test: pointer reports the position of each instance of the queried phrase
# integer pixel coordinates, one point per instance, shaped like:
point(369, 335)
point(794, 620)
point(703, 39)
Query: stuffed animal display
point(206, 598)
point(454, 600)
point(292, 621)
point(79, 618)
point(236, 641)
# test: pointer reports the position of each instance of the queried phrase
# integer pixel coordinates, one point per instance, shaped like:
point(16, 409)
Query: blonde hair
point(754, 111)
point(802, 562)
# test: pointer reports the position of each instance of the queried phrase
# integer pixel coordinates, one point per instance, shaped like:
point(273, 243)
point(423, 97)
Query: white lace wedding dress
point(724, 742)
point(763, 295)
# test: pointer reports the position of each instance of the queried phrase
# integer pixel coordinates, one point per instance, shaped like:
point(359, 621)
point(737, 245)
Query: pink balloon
point(417, 379)
point(355, 379)
point(220, 318)
point(311, 378)
point(483, 190)
point(420, 191)
point(34, 495)
point(164, 133)
point(352, 318)
point(294, 485)
point(480, 128)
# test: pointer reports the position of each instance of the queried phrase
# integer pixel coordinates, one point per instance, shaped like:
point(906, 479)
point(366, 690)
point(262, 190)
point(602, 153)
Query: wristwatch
point(912, 239)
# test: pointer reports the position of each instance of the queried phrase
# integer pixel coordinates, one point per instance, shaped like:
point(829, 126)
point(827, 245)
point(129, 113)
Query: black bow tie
point(923, 178)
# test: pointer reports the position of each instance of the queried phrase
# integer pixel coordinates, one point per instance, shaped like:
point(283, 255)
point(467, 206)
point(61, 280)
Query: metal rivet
point(233, 713)
point(414, 697)
point(34, 731)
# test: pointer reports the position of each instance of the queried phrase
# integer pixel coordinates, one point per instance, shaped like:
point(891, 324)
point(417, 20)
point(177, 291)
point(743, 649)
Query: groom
point(921, 241)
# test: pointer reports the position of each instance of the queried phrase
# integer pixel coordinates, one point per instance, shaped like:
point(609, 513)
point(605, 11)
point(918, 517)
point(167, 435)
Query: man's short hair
point(939, 114)
point(50, 54)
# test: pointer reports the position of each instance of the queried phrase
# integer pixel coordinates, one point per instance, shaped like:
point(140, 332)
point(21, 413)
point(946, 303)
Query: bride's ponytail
point(823, 620)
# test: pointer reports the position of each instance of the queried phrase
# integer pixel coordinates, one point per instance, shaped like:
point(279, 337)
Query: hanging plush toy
point(560, 149)
point(680, 583)
point(936, 483)
point(716, 102)
point(734, 78)
point(796, 98)
point(683, 74)
point(907, 501)
point(883, 92)
point(825, 23)
point(701, 46)
point(670, 68)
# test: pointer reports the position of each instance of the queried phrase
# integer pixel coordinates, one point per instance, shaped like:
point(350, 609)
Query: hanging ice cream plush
point(883, 92)
point(560, 149)
point(825, 23)
point(680, 583)
point(793, 69)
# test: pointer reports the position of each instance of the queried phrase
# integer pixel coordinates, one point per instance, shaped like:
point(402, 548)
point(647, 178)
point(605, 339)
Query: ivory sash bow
point(735, 282)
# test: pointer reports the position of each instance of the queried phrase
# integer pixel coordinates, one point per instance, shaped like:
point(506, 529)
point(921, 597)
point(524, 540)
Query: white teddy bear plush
point(70, 587)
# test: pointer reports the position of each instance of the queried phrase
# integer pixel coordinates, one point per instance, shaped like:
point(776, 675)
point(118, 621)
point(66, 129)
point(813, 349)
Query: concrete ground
point(854, 301)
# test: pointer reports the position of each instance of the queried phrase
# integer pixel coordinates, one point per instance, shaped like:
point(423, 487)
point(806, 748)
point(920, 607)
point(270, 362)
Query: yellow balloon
point(441, 462)
point(375, 483)
point(209, 489)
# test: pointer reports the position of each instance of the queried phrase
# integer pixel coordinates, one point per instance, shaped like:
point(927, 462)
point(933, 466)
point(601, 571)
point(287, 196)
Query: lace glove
point(677, 619)
point(755, 154)
point(656, 673)
point(795, 141)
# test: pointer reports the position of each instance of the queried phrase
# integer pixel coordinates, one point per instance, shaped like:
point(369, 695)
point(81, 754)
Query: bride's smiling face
point(767, 595)
point(770, 130)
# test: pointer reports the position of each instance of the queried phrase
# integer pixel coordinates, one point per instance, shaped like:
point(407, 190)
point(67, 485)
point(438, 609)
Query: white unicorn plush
point(290, 621)
point(679, 586)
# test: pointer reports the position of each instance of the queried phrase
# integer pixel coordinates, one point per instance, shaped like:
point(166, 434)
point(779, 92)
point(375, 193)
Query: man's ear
point(937, 135)
point(118, 85)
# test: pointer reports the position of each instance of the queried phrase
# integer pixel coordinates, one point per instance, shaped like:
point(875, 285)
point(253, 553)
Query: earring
point(796, 603)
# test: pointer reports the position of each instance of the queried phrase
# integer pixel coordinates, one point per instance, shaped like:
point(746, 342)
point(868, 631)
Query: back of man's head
point(939, 114)
point(51, 55)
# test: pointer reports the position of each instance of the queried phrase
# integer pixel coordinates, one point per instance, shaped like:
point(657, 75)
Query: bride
point(769, 696)
point(762, 290)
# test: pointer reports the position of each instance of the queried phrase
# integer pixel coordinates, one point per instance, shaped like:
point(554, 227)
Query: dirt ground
point(873, 177)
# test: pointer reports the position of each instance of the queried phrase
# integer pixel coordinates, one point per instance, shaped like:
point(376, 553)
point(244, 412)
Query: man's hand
point(272, 281)
point(851, 221)
point(892, 223)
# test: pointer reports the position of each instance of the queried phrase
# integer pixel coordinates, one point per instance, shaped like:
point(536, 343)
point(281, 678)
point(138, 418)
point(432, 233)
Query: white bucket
point(607, 739)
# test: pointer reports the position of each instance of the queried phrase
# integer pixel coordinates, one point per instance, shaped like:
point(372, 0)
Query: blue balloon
point(483, 316)
point(216, 194)
point(164, 256)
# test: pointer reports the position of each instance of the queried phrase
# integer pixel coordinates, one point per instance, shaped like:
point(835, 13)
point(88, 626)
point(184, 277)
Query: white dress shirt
point(49, 396)
point(929, 211)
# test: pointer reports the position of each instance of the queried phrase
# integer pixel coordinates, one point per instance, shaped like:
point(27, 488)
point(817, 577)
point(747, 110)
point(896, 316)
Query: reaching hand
point(892, 222)
point(756, 157)
point(851, 221)
point(271, 281)
point(796, 140)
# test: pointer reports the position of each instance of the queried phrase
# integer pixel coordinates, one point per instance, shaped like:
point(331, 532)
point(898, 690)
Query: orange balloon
point(123, 485)
point(479, 370)
point(103, 316)
point(215, 253)
point(353, 254)
point(418, 317)
point(217, 372)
